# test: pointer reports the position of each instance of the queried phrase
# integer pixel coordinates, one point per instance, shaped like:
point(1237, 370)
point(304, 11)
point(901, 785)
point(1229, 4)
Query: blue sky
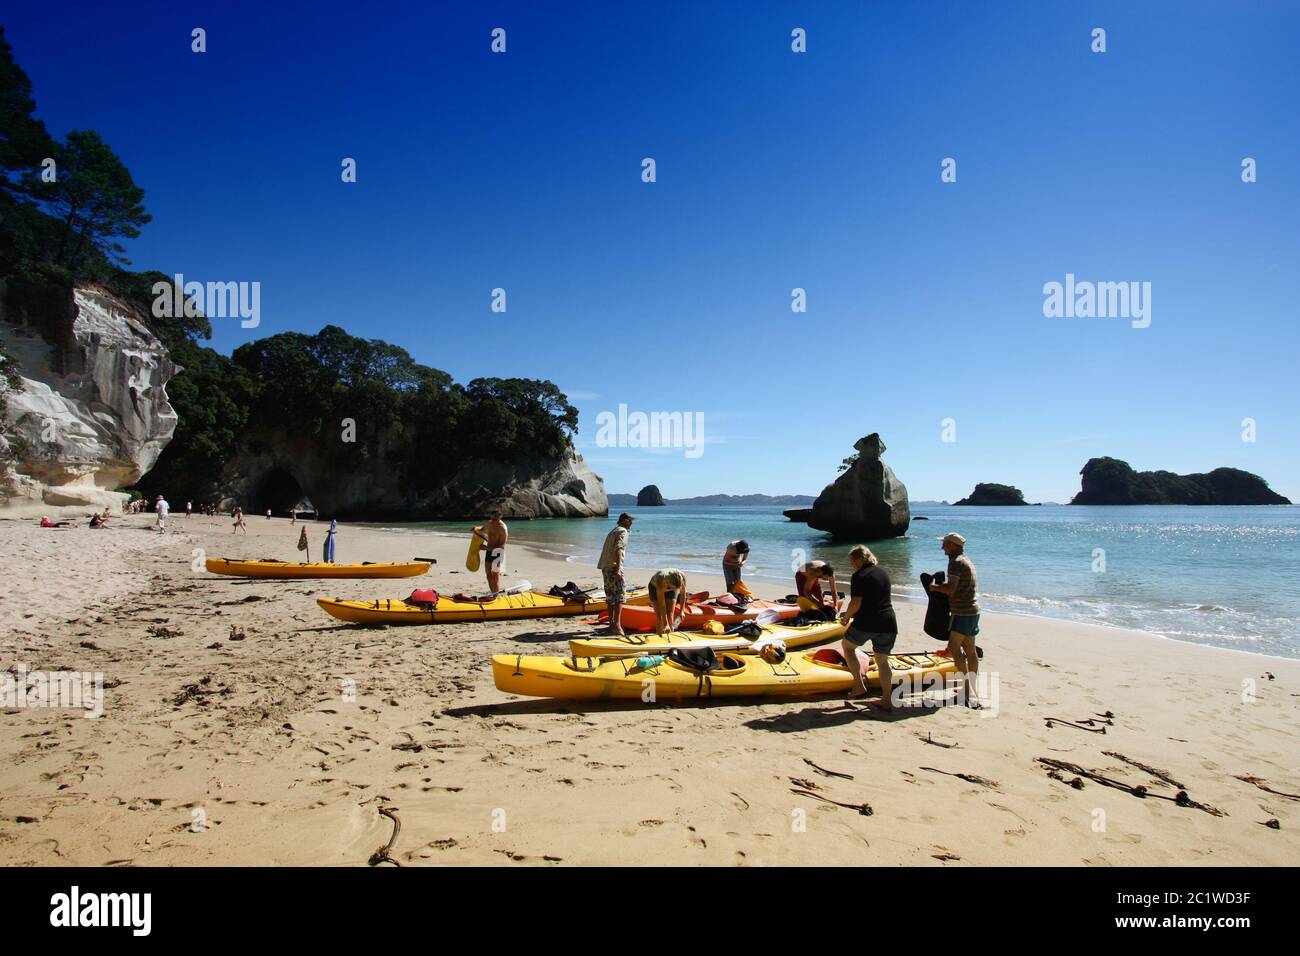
point(775, 170)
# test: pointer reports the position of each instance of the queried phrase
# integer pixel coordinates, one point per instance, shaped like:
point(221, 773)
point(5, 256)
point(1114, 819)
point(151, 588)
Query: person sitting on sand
point(808, 583)
point(495, 534)
point(668, 595)
point(733, 560)
point(965, 622)
point(98, 520)
point(611, 568)
point(47, 523)
point(872, 615)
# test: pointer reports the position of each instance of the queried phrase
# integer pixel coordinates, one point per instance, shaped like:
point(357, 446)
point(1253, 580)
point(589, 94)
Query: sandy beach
point(253, 751)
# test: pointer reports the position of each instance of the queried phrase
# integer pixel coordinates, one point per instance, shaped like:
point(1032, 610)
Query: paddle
point(429, 560)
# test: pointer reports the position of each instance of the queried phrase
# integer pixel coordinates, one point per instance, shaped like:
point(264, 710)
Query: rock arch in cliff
point(278, 490)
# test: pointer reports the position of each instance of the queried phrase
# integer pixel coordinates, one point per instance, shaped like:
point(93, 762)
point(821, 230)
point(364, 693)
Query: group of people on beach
point(868, 615)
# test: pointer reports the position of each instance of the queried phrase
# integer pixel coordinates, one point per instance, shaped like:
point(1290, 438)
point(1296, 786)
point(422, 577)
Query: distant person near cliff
point(161, 506)
point(238, 515)
point(808, 583)
point(611, 567)
point(732, 563)
point(668, 595)
point(495, 535)
point(870, 617)
point(965, 624)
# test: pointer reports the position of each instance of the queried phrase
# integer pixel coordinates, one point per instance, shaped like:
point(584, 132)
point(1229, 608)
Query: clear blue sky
point(775, 170)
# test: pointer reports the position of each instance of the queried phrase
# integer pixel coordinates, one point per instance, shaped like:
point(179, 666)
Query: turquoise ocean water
point(1228, 577)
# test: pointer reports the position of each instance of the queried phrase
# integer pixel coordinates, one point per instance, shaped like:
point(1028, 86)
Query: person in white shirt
point(161, 506)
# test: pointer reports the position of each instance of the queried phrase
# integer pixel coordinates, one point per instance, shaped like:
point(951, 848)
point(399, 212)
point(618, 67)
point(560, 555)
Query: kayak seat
point(828, 655)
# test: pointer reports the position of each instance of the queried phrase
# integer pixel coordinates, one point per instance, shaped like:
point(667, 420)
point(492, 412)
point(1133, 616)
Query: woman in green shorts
point(668, 596)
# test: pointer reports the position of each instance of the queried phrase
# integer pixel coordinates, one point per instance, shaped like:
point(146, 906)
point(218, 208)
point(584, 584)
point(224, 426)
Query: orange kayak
point(637, 618)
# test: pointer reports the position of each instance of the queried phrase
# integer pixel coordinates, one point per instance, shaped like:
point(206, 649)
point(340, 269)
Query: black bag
point(701, 660)
point(937, 614)
point(570, 592)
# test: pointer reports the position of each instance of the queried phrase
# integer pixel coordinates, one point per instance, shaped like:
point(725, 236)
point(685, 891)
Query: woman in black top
point(872, 615)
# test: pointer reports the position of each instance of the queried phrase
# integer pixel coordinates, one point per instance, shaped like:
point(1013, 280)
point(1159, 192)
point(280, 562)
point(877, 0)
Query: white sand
point(285, 770)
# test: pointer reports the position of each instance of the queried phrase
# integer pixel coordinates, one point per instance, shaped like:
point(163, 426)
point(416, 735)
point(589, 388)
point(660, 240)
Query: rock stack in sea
point(649, 497)
point(867, 502)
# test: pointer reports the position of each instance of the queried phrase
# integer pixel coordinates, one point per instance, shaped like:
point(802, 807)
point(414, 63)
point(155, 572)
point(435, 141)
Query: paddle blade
point(769, 615)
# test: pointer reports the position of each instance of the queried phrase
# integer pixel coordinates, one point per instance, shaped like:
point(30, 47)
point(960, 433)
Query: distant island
point(1109, 481)
point(624, 501)
point(650, 497)
point(993, 494)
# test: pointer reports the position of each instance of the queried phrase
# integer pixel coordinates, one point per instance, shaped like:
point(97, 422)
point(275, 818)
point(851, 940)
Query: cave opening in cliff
point(278, 490)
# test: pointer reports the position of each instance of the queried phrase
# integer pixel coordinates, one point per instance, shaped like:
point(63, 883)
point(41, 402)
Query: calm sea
point(1228, 577)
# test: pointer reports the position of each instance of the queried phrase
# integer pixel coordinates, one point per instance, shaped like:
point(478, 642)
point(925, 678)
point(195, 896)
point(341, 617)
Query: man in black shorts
point(872, 614)
point(495, 535)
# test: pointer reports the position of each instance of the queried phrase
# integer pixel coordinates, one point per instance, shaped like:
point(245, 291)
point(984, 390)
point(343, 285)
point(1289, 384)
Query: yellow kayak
point(289, 569)
point(636, 644)
point(445, 610)
point(799, 675)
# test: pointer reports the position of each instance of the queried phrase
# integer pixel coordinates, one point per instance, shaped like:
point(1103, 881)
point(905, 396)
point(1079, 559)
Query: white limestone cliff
point(92, 414)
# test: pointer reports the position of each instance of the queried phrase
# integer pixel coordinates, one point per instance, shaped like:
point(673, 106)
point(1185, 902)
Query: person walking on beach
point(611, 568)
point(965, 623)
point(870, 617)
point(328, 549)
point(495, 536)
point(668, 595)
point(188, 507)
point(238, 515)
point(808, 583)
point(161, 506)
point(733, 560)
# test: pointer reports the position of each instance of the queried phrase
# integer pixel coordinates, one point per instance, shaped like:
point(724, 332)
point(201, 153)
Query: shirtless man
point(495, 535)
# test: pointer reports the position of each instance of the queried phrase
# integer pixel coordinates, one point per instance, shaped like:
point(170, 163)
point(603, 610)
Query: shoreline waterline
point(993, 602)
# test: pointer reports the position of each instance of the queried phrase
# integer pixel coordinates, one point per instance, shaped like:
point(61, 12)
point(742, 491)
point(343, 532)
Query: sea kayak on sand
point(741, 675)
point(697, 615)
point(793, 636)
point(429, 607)
point(289, 569)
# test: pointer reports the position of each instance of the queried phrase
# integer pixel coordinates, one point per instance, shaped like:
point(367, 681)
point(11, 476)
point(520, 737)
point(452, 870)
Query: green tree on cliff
point(95, 199)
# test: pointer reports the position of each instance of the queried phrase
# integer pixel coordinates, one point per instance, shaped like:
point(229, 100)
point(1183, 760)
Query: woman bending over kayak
point(808, 582)
point(668, 596)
